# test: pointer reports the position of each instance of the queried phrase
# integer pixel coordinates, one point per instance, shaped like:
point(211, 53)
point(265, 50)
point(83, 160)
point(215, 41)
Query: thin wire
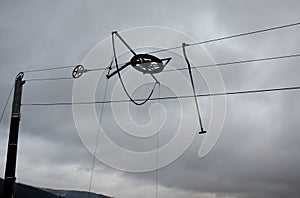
point(62, 67)
point(50, 68)
point(237, 62)
point(177, 47)
point(98, 69)
point(6, 103)
point(157, 143)
point(167, 97)
point(217, 64)
point(184, 68)
point(49, 79)
point(229, 37)
point(97, 139)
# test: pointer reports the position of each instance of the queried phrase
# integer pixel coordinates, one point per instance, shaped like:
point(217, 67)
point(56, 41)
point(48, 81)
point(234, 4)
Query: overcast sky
point(257, 154)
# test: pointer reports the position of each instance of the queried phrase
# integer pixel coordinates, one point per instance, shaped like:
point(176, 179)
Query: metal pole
point(193, 86)
point(11, 159)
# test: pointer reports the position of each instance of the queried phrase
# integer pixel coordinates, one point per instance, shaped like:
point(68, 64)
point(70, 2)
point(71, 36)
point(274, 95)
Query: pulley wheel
point(78, 71)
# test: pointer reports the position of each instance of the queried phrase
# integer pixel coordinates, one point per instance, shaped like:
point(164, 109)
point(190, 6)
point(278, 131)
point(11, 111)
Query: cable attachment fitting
point(20, 76)
point(185, 44)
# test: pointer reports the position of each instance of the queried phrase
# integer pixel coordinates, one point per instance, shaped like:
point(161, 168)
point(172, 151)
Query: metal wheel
point(147, 64)
point(78, 71)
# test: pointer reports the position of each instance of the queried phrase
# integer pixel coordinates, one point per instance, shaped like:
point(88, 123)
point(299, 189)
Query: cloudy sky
point(257, 152)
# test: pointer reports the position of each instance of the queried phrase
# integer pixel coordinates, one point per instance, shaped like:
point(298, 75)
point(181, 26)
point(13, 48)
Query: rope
point(97, 140)
point(6, 103)
point(157, 144)
point(121, 80)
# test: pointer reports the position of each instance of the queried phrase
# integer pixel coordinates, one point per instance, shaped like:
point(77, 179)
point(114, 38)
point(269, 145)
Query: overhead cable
point(166, 97)
point(230, 37)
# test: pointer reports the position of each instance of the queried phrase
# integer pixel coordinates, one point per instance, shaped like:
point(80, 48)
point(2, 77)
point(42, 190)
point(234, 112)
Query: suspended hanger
point(202, 131)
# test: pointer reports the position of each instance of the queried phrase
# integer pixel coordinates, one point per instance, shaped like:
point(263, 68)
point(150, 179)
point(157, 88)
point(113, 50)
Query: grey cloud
point(256, 155)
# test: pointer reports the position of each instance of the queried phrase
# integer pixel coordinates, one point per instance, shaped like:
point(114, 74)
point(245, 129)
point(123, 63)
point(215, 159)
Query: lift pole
point(11, 159)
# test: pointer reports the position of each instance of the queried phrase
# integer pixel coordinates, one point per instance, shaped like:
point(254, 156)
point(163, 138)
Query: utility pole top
point(11, 159)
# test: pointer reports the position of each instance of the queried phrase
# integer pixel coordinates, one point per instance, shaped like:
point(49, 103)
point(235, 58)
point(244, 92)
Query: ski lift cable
point(230, 37)
point(177, 47)
point(221, 64)
point(48, 69)
point(253, 91)
point(237, 62)
point(49, 79)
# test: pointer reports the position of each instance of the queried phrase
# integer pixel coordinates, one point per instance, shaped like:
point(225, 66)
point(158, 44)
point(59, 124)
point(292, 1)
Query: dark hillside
point(25, 191)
